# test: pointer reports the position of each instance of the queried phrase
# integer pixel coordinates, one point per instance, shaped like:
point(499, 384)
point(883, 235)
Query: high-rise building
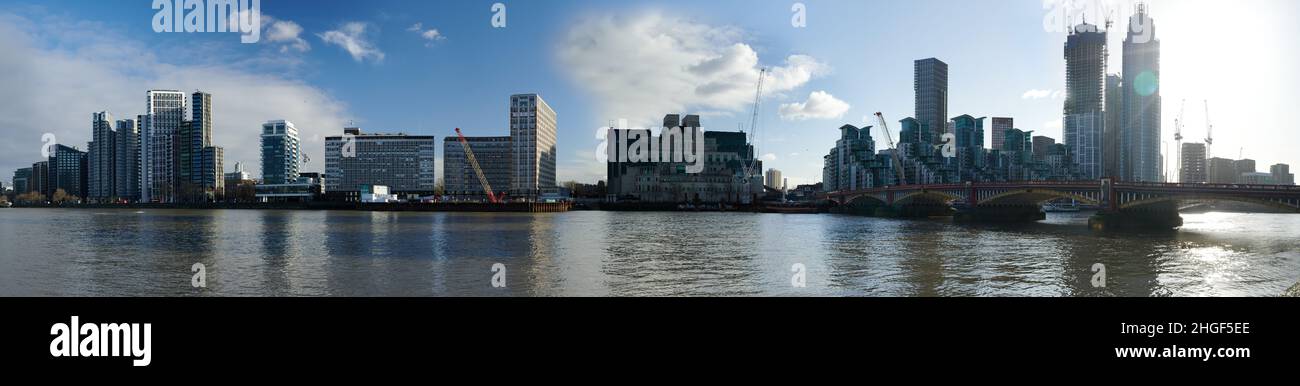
point(1140, 138)
point(1112, 125)
point(126, 160)
point(1194, 169)
point(1281, 175)
point(1000, 127)
point(1243, 166)
point(772, 179)
point(1041, 145)
point(102, 159)
point(40, 181)
point(533, 135)
point(22, 181)
point(68, 171)
point(280, 153)
point(193, 142)
point(970, 145)
point(494, 159)
point(211, 174)
point(853, 163)
point(1085, 85)
point(404, 163)
point(164, 113)
point(1222, 171)
point(930, 84)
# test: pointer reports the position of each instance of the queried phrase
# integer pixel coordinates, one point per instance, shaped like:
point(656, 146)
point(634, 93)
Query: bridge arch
point(865, 199)
point(1037, 196)
point(1134, 204)
point(929, 196)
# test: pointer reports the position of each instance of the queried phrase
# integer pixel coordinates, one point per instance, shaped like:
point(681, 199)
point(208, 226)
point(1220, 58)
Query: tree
point(32, 197)
point(246, 191)
point(61, 197)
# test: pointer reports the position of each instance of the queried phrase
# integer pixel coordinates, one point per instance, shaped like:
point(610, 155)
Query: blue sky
point(594, 61)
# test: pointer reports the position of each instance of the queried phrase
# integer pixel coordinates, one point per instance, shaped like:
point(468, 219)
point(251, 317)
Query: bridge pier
point(1001, 213)
point(1162, 216)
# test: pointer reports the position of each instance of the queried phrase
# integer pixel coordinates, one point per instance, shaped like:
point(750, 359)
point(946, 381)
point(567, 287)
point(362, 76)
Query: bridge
point(1120, 204)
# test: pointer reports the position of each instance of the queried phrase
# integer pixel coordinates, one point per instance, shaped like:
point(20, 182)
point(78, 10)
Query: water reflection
point(345, 253)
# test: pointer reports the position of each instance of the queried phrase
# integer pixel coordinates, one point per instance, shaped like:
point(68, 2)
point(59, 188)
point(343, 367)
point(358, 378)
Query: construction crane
point(753, 127)
point(473, 162)
point(1178, 138)
point(889, 140)
point(1209, 132)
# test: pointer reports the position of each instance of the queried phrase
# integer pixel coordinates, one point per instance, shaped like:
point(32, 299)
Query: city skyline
point(795, 136)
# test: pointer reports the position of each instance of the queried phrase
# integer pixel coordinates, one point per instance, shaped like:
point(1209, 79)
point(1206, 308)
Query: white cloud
point(1036, 94)
point(432, 34)
point(1054, 124)
point(352, 37)
point(55, 76)
point(642, 67)
point(820, 105)
point(769, 157)
point(285, 33)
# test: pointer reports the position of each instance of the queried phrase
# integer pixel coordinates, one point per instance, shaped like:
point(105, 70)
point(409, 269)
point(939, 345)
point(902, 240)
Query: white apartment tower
point(533, 138)
point(164, 112)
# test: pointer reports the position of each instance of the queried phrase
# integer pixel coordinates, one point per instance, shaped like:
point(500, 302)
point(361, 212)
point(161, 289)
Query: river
point(121, 252)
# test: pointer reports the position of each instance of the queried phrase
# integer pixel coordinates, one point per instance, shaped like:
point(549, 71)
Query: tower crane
point(1209, 132)
point(898, 158)
point(753, 127)
point(1178, 137)
point(473, 162)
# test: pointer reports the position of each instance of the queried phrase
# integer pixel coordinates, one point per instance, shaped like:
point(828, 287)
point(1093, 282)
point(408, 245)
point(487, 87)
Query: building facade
point(404, 163)
point(280, 152)
point(772, 179)
point(68, 172)
point(1000, 127)
point(930, 86)
point(197, 182)
point(1222, 171)
point(40, 181)
point(164, 114)
point(102, 159)
point(1194, 169)
point(533, 136)
point(853, 163)
point(727, 158)
point(1281, 175)
point(970, 146)
point(127, 160)
point(494, 156)
point(1140, 135)
point(22, 181)
point(210, 175)
point(1111, 127)
point(1085, 85)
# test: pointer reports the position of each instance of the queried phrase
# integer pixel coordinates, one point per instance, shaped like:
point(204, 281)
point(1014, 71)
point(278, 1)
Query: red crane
point(469, 154)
